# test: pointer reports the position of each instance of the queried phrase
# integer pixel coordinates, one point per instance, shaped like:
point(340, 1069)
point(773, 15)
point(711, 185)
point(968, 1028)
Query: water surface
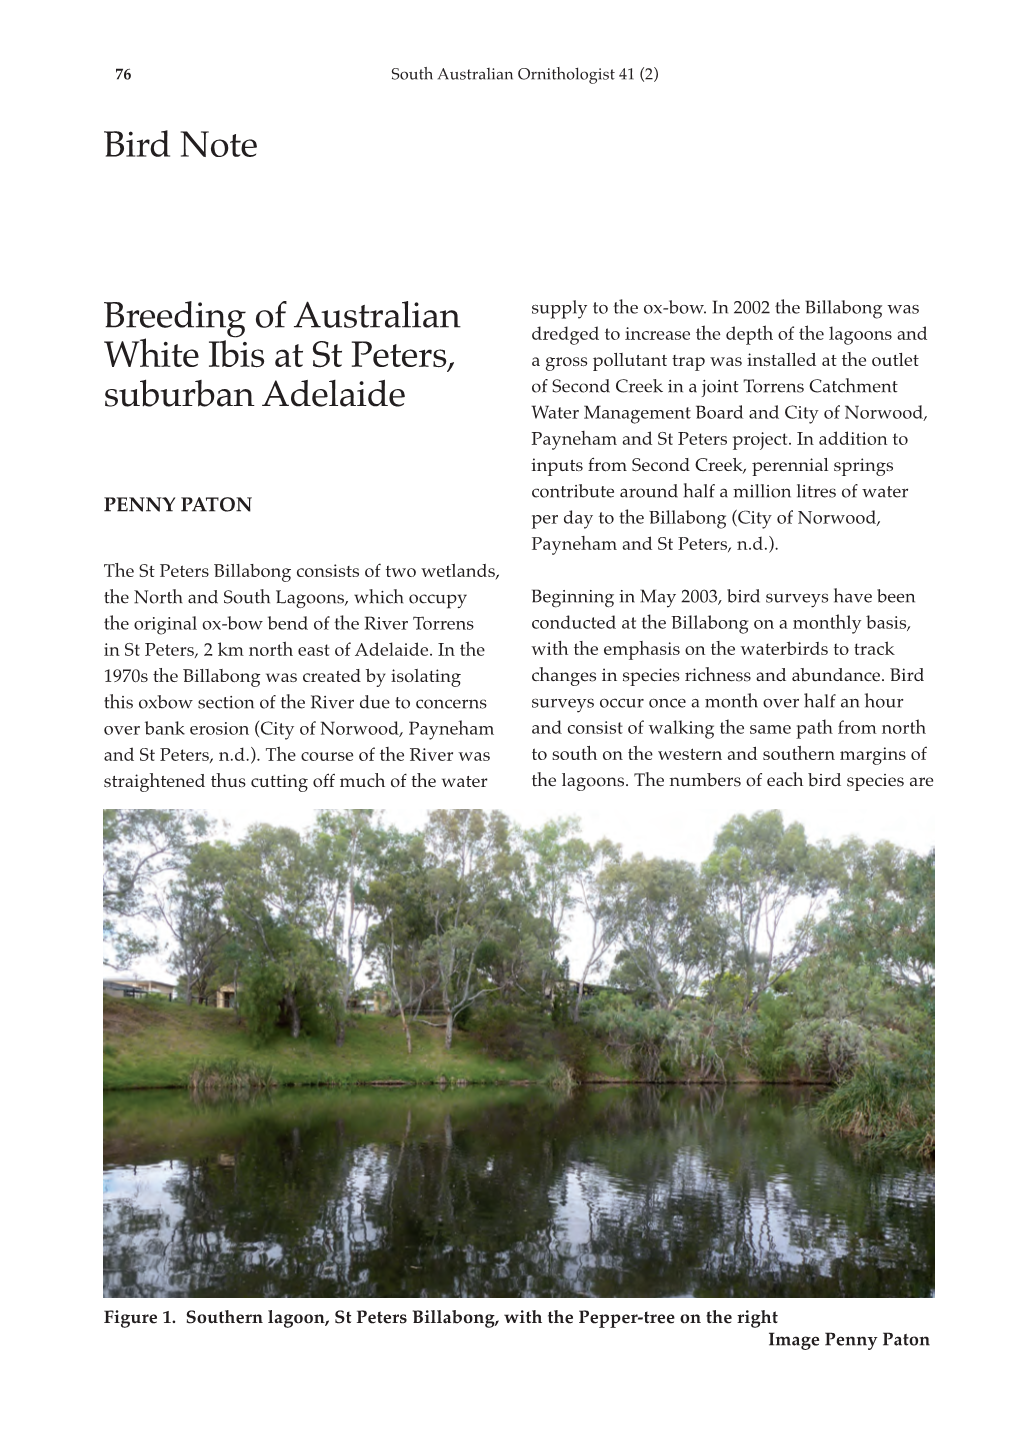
point(637, 1192)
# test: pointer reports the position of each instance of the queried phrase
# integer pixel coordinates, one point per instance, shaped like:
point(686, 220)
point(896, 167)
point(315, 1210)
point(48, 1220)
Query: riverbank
point(153, 1044)
point(158, 1045)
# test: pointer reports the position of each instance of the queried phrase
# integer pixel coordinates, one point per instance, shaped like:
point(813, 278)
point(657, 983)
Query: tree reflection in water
point(640, 1192)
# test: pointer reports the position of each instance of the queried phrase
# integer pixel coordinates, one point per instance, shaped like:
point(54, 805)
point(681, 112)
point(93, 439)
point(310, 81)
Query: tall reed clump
point(562, 1078)
point(887, 1102)
point(230, 1076)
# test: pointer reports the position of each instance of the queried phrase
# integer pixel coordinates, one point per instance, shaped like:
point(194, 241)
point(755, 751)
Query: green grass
point(160, 1045)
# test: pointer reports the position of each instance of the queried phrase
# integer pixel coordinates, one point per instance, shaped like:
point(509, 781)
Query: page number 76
point(123, 74)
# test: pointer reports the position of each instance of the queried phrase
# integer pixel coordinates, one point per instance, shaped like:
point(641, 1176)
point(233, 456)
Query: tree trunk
point(407, 1032)
point(295, 1017)
point(400, 1007)
point(449, 1028)
point(341, 1033)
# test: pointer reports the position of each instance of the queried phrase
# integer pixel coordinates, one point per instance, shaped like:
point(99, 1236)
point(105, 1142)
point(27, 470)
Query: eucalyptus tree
point(400, 927)
point(591, 865)
point(269, 899)
point(191, 906)
point(884, 912)
point(345, 849)
point(522, 962)
point(668, 940)
point(473, 870)
point(769, 883)
point(553, 854)
point(141, 848)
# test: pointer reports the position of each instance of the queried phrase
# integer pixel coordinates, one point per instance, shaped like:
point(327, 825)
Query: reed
point(230, 1076)
point(562, 1078)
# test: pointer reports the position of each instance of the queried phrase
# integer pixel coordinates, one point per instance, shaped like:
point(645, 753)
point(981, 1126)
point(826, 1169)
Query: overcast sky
point(678, 827)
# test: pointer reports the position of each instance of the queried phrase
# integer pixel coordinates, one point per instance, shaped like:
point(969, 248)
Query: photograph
point(469, 1058)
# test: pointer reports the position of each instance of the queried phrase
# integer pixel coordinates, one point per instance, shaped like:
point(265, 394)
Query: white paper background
point(787, 150)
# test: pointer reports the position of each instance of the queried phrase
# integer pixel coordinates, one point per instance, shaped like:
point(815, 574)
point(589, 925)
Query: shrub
point(659, 1044)
point(829, 1048)
point(512, 1032)
point(769, 1049)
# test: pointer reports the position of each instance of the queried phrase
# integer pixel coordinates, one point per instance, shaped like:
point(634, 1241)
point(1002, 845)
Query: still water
point(638, 1192)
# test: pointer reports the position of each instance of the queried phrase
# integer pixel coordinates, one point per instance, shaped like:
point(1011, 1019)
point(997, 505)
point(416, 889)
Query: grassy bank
point(153, 1044)
point(157, 1045)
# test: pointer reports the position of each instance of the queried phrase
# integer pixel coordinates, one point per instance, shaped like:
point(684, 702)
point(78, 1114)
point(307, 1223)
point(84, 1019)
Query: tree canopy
point(790, 952)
